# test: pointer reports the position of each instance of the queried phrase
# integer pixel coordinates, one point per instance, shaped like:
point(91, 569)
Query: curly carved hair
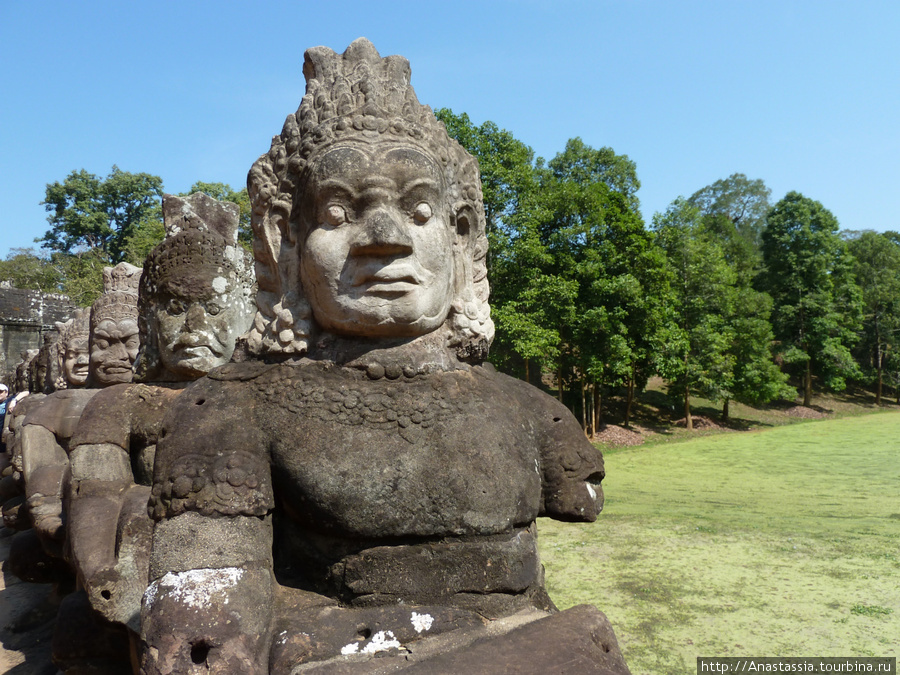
point(356, 96)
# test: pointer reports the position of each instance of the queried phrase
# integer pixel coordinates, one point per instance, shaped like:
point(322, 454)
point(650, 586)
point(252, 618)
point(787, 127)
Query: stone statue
point(63, 359)
point(196, 296)
point(43, 368)
point(23, 379)
point(43, 439)
point(73, 353)
point(368, 484)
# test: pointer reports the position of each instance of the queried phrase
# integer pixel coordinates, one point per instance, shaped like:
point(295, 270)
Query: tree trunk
point(880, 376)
point(629, 399)
point(725, 409)
point(559, 383)
point(596, 410)
point(527, 372)
point(807, 384)
point(584, 409)
point(688, 422)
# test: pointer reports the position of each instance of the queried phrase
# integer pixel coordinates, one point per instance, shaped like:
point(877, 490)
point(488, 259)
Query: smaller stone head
point(197, 290)
point(73, 350)
point(45, 364)
point(24, 370)
point(114, 327)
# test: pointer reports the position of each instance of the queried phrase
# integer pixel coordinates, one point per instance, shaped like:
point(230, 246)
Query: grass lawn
point(782, 542)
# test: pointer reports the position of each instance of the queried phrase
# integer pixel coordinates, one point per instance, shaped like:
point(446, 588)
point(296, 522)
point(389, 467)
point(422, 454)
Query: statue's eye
point(212, 309)
point(101, 343)
point(175, 307)
point(335, 215)
point(422, 213)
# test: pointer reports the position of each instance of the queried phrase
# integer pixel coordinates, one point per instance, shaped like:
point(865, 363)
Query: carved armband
point(234, 484)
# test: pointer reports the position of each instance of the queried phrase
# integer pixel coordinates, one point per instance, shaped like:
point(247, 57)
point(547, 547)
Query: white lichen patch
point(421, 621)
point(380, 642)
point(194, 588)
point(220, 284)
point(591, 491)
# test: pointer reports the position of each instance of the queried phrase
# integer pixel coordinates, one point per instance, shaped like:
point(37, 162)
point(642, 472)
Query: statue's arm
point(211, 591)
point(108, 530)
point(571, 467)
point(43, 463)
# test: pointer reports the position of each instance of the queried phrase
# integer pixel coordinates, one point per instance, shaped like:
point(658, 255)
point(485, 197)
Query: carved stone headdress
point(119, 298)
point(199, 258)
point(356, 96)
point(76, 328)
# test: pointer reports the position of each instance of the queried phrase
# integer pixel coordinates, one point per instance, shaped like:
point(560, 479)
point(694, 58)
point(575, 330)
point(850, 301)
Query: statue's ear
point(464, 220)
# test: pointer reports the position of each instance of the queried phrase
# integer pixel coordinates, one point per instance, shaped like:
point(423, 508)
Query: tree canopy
point(100, 214)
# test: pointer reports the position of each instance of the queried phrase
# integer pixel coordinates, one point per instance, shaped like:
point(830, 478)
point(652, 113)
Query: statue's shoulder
point(105, 418)
point(59, 412)
point(534, 402)
point(110, 415)
point(240, 372)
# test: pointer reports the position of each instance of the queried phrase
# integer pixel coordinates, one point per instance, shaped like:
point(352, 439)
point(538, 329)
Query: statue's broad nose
point(195, 317)
point(382, 233)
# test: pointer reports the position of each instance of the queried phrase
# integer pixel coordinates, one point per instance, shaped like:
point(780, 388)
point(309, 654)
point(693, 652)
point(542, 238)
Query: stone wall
point(25, 315)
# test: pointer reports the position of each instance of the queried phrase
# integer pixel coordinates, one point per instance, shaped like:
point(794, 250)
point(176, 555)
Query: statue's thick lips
point(195, 350)
point(393, 277)
point(116, 369)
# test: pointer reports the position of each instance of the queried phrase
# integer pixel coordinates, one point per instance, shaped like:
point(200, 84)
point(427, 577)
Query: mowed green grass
point(784, 542)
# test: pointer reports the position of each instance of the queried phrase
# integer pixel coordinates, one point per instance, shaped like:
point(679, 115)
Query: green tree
point(808, 273)
point(82, 275)
point(597, 236)
point(31, 269)
point(506, 165)
point(734, 210)
point(695, 354)
point(91, 213)
point(877, 272)
point(756, 378)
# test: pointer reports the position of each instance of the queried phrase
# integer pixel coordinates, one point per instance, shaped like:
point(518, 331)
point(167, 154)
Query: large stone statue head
point(368, 219)
point(114, 327)
point(73, 353)
point(196, 294)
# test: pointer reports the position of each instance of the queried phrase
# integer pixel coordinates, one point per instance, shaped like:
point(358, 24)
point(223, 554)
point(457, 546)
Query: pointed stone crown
point(201, 243)
point(119, 299)
point(79, 326)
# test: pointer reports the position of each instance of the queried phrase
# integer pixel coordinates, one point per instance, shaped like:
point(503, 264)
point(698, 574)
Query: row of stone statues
point(354, 480)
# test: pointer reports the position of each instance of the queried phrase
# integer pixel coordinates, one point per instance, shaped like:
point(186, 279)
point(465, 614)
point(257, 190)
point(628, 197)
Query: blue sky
point(804, 95)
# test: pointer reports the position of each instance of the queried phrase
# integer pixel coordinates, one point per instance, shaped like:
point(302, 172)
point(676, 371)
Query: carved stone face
point(378, 259)
point(76, 361)
point(196, 335)
point(114, 347)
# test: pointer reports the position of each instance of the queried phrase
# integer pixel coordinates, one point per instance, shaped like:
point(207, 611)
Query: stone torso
point(445, 454)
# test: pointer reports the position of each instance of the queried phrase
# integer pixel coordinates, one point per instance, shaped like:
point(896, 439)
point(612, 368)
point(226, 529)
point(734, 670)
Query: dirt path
point(27, 612)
